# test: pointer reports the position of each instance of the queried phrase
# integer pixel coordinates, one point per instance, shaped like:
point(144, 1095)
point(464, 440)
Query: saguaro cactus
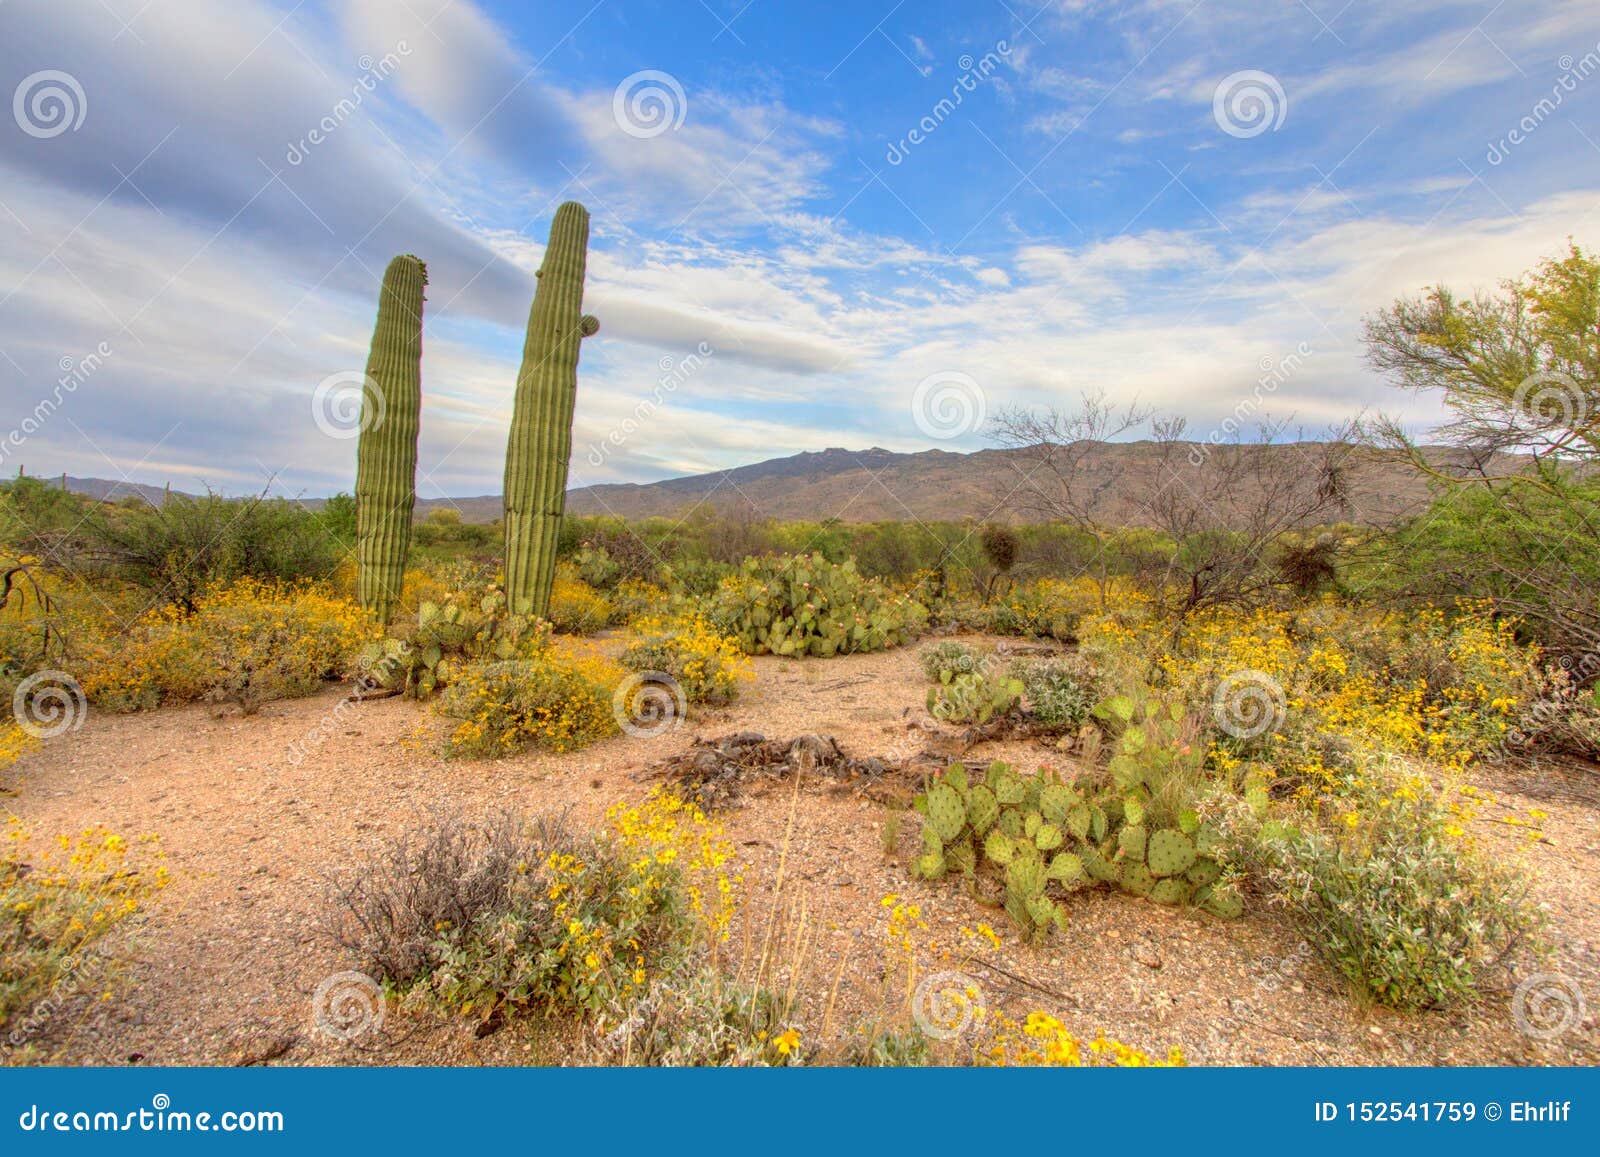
point(541, 418)
point(386, 457)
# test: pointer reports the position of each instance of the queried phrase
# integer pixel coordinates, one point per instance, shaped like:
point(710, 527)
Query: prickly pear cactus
point(1169, 853)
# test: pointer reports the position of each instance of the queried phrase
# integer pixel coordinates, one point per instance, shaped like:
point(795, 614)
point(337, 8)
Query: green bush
point(805, 605)
point(1392, 897)
point(554, 701)
point(1060, 691)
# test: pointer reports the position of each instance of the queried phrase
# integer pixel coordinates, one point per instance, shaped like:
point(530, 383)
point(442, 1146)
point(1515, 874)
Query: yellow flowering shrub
point(576, 608)
point(708, 664)
point(1340, 681)
point(559, 701)
point(1055, 608)
point(14, 743)
point(1042, 1040)
point(246, 642)
point(496, 914)
point(633, 598)
point(55, 900)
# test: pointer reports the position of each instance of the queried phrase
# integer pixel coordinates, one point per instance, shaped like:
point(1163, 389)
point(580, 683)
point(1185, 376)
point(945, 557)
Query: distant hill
point(876, 485)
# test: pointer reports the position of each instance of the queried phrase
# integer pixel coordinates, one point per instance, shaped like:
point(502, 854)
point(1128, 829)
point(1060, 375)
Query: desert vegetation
point(1252, 718)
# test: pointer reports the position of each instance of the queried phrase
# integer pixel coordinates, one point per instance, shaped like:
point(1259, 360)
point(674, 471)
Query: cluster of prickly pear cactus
point(972, 696)
point(540, 446)
point(1037, 836)
point(1011, 824)
point(805, 605)
point(463, 628)
point(386, 456)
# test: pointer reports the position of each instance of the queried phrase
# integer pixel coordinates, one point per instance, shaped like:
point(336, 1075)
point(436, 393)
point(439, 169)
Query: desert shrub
point(245, 642)
point(707, 664)
point(1052, 608)
point(947, 659)
point(804, 605)
point(1394, 898)
point(972, 696)
point(634, 598)
point(1308, 691)
point(187, 546)
point(702, 1019)
point(557, 701)
point(576, 608)
point(55, 902)
point(493, 916)
point(1061, 690)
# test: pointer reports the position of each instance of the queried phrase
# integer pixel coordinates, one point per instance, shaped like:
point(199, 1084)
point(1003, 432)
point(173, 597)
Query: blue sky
point(1164, 199)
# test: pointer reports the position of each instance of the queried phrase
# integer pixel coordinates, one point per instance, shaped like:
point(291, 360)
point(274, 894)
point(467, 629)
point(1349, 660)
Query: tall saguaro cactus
point(541, 419)
point(386, 457)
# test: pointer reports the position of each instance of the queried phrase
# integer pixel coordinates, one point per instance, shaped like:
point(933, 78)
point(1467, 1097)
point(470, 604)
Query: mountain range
point(876, 484)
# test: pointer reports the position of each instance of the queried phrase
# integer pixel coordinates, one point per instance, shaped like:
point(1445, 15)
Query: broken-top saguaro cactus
point(541, 418)
point(386, 457)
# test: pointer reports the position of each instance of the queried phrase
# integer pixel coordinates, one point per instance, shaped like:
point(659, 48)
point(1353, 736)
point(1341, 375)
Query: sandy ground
point(223, 966)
